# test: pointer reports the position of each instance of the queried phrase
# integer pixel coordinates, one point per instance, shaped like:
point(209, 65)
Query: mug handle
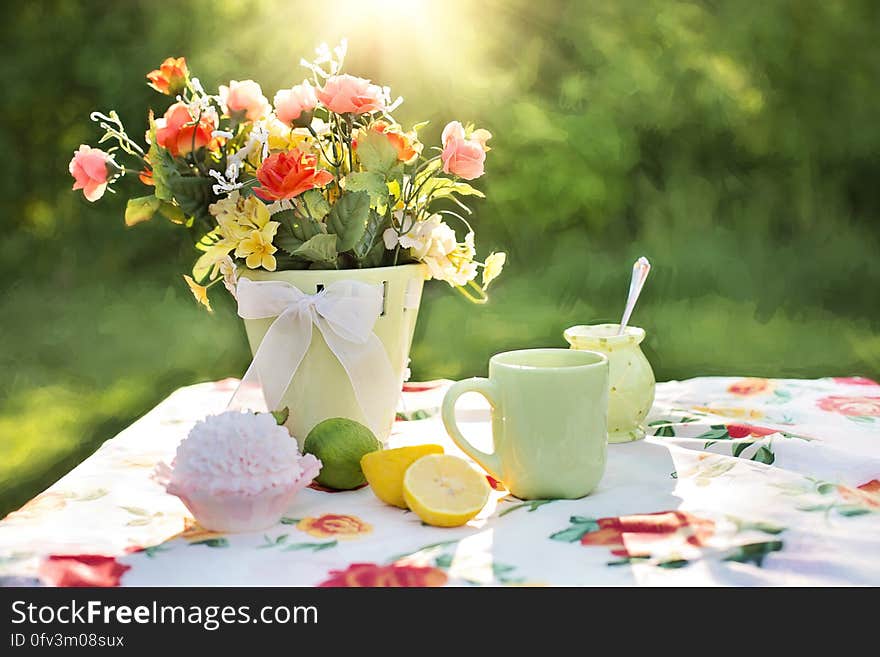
point(491, 462)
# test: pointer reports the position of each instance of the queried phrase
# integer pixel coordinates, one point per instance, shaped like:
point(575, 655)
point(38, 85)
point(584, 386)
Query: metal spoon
point(640, 273)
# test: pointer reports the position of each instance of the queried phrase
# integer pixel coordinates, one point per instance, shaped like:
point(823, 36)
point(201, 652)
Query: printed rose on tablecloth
point(669, 539)
point(866, 496)
point(750, 387)
point(394, 575)
point(642, 535)
point(855, 406)
point(81, 570)
point(334, 525)
point(747, 430)
point(855, 381)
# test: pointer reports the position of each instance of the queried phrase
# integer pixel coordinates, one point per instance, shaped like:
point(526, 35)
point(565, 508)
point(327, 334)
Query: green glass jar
point(631, 379)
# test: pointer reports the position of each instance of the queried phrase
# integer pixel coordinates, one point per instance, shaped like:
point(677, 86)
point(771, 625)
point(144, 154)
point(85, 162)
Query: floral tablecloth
point(744, 482)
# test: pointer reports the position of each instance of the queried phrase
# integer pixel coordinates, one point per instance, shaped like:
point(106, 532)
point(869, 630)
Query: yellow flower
point(492, 268)
point(257, 249)
point(200, 292)
point(284, 138)
point(238, 219)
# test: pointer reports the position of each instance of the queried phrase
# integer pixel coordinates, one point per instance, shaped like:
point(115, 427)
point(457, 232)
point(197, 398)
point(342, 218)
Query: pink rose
point(90, 168)
point(462, 156)
point(347, 94)
point(291, 103)
point(245, 96)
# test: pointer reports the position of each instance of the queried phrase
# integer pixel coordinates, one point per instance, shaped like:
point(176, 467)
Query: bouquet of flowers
point(321, 178)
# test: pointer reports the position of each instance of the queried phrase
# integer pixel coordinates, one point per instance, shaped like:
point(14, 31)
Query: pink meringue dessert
point(238, 471)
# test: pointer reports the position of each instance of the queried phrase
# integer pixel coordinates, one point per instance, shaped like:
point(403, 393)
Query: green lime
point(340, 443)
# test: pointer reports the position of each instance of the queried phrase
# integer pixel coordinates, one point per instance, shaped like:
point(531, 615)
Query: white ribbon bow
point(345, 313)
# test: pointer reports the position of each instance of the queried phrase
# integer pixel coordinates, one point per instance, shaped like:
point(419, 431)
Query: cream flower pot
point(321, 389)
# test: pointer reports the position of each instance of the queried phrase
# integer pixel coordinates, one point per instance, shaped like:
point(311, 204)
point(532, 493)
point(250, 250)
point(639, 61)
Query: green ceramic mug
point(548, 421)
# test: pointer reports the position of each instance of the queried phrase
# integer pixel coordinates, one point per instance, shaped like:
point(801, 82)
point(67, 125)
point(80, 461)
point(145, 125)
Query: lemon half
point(444, 490)
point(385, 469)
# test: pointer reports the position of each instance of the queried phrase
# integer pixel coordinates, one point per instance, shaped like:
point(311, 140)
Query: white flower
point(223, 185)
point(434, 243)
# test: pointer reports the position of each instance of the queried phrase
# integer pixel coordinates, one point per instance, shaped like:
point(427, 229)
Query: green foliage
point(376, 153)
point(317, 206)
point(348, 219)
point(320, 248)
point(371, 182)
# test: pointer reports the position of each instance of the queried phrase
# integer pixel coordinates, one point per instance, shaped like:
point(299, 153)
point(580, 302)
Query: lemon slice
point(384, 470)
point(444, 491)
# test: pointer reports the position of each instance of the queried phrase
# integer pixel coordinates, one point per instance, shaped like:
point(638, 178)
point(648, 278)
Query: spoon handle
point(639, 274)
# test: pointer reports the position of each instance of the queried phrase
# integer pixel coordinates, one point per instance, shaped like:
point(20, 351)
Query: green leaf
point(764, 455)
point(863, 419)
point(213, 542)
point(580, 520)
point(144, 208)
point(135, 511)
point(371, 182)
point(289, 521)
point(296, 226)
point(714, 434)
point(316, 205)
point(430, 169)
point(162, 164)
point(673, 563)
point(371, 237)
point(376, 255)
point(348, 219)
point(754, 552)
point(825, 488)
point(443, 561)
point(815, 507)
point(740, 447)
point(320, 248)
point(282, 415)
point(193, 194)
point(575, 532)
point(153, 550)
point(141, 209)
point(446, 188)
point(376, 153)
point(314, 547)
point(852, 510)
point(665, 431)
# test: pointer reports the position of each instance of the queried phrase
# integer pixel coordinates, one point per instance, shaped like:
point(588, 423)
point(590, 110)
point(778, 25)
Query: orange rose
point(852, 406)
point(749, 387)
point(633, 536)
point(180, 134)
point(170, 78)
point(334, 525)
point(373, 575)
point(285, 175)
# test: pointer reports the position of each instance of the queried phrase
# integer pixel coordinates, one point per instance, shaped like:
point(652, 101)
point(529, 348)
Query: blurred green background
point(736, 144)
